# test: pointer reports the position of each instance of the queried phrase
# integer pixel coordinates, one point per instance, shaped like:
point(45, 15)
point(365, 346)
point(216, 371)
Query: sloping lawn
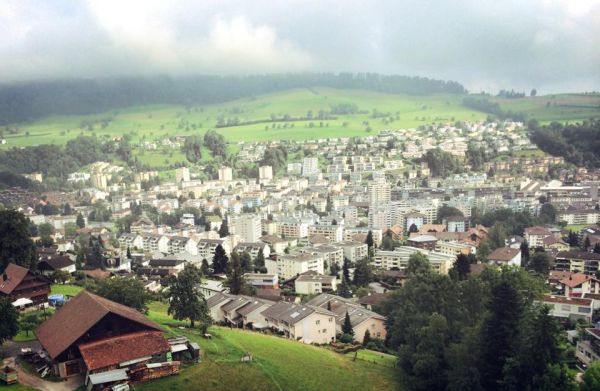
point(65, 289)
point(278, 363)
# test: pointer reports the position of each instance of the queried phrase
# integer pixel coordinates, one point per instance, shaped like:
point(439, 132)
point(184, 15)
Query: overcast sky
point(552, 45)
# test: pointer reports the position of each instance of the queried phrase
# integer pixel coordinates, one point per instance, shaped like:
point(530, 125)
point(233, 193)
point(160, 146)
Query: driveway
point(13, 349)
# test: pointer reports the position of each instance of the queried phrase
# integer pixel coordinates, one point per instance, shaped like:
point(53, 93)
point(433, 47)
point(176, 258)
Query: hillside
point(558, 107)
point(156, 121)
point(278, 364)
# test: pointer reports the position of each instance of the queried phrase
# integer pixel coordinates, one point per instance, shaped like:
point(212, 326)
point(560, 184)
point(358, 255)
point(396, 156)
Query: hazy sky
point(552, 45)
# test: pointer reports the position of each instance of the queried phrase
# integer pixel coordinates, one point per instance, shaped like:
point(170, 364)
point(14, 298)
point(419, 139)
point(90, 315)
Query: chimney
point(4, 276)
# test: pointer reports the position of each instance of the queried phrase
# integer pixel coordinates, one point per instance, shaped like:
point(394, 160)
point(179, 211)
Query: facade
point(265, 173)
point(355, 251)
point(310, 283)
point(577, 262)
point(398, 259)
point(579, 216)
point(289, 266)
point(182, 174)
point(301, 322)
point(333, 233)
point(225, 174)
point(248, 227)
point(262, 281)
point(569, 307)
point(361, 318)
point(588, 346)
point(310, 166)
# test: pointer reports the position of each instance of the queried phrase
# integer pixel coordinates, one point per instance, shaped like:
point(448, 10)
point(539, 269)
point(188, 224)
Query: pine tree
point(204, 268)
point(369, 241)
point(367, 338)
point(347, 326)
point(597, 248)
point(246, 262)
point(220, 260)
point(128, 253)
point(346, 270)
point(462, 266)
point(224, 229)
point(344, 289)
point(362, 273)
point(500, 334)
point(235, 275)
point(525, 252)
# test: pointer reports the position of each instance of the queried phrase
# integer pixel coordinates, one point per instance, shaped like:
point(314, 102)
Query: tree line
point(493, 108)
point(27, 101)
point(466, 332)
point(577, 143)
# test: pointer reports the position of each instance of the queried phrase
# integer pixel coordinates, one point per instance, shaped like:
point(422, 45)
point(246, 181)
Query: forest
point(28, 101)
point(578, 143)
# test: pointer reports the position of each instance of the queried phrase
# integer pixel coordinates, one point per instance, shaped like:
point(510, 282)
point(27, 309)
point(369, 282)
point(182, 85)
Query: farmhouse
point(17, 282)
point(93, 335)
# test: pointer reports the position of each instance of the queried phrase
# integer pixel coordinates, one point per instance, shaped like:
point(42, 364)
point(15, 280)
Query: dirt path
point(30, 380)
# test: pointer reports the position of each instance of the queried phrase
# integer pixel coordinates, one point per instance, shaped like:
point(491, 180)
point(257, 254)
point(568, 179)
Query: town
point(310, 250)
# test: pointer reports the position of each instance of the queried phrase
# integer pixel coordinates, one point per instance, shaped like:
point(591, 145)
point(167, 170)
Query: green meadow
point(157, 121)
point(559, 107)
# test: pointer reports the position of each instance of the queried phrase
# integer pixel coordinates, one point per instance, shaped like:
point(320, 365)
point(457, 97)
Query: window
point(565, 307)
point(584, 310)
point(318, 321)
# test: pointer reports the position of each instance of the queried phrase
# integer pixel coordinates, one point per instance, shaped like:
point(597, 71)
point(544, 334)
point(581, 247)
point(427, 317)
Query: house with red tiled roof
point(91, 335)
point(17, 282)
point(576, 284)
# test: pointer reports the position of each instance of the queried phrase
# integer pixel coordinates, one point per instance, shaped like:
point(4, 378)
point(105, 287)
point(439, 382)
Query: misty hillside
point(28, 101)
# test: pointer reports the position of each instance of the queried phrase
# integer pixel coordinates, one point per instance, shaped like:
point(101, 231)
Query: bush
point(346, 338)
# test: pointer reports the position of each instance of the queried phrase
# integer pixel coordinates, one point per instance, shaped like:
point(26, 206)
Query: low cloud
point(551, 45)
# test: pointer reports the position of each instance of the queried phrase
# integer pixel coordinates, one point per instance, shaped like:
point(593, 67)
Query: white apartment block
point(333, 233)
point(288, 266)
point(310, 166)
point(225, 174)
point(355, 251)
point(398, 258)
point(248, 227)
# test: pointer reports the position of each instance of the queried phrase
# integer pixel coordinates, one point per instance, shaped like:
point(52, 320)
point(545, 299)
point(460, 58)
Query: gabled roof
point(504, 254)
point(77, 316)
point(114, 350)
point(55, 263)
point(576, 279)
point(12, 276)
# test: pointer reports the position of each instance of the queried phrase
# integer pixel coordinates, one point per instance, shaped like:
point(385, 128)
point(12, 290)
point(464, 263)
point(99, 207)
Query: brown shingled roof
point(114, 350)
point(12, 277)
point(77, 316)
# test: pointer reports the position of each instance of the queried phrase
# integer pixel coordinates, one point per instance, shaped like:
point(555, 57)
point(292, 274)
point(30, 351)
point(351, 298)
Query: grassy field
point(65, 289)
point(151, 122)
point(157, 121)
point(561, 107)
point(278, 364)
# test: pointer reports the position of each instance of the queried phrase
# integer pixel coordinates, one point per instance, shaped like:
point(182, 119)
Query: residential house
point(398, 259)
point(302, 322)
point(50, 264)
point(569, 307)
point(578, 284)
point(535, 235)
point(310, 282)
point(361, 318)
point(505, 256)
point(588, 346)
point(17, 282)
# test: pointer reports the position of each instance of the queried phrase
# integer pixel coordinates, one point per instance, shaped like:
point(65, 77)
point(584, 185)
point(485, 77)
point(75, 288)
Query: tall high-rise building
point(182, 174)
point(225, 174)
point(379, 192)
point(310, 166)
point(248, 227)
point(265, 173)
